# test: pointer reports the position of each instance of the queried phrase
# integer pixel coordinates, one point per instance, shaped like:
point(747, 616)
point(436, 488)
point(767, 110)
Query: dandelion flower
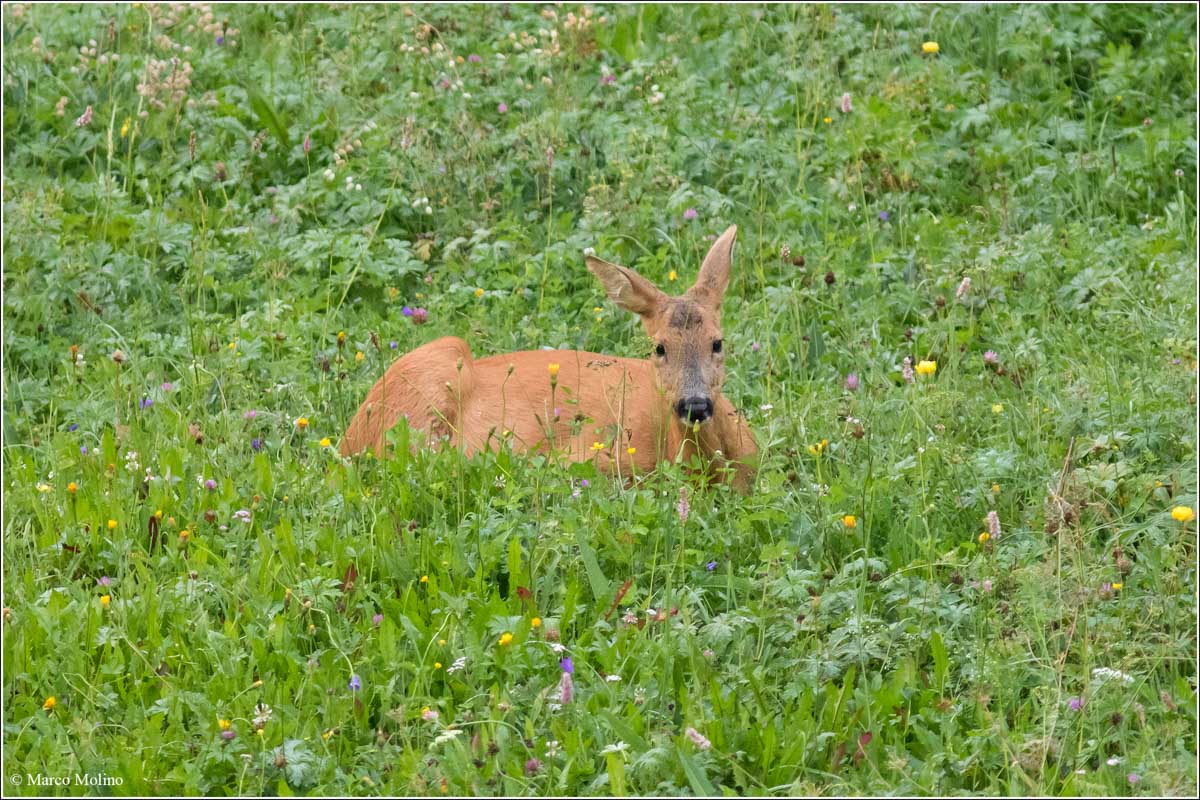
point(850, 521)
point(672, 275)
point(112, 524)
point(359, 356)
point(995, 488)
point(930, 47)
point(505, 639)
point(302, 422)
point(553, 370)
point(536, 622)
point(105, 599)
point(1183, 514)
point(424, 579)
point(49, 704)
point(325, 442)
point(479, 292)
point(631, 450)
point(926, 367)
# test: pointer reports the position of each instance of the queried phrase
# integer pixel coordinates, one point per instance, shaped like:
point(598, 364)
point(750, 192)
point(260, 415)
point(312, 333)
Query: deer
point(626, 414)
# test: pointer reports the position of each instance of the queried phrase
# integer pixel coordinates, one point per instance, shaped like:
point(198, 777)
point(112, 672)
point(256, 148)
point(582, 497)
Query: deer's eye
point(717, 345)
point(660, 350)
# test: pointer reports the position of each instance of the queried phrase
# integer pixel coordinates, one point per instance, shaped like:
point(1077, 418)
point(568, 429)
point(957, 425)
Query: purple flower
point(568, 666)
point(710, 566)
point(83, 449)
point(307, 143)
point(846, 107)
point(104, 581)
point(532, 766)
point(609, 78)
point(145, 403)
point(1133, 778)
point(502, 108)
point(74, 427)
point(420, 315)
point(474, 59)
point(393, 344)
point(251, 414)
point(993, 524)
point(883, 216)
point(852, 382)
point(755, 347)
point(167, 386)
point(220, 42)
point(377, 620)
point(584, 483)
point(256, 444)
point(690, 214)
point(406, 311)
point(355, 683)
point(228, 735)
point(1075, 703)
point(990, 357)
point(211, 485)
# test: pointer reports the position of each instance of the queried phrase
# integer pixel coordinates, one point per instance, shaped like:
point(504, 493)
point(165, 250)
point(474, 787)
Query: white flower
point(329, 174)
point(558, 648)
point(262, 715)
point(1105, 673)
point(1112, 762)
point(459, 663)
point(619, 747)
point(447, 735)
point(613, 678)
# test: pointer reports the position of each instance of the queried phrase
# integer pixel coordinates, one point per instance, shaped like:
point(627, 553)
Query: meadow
point(962, 325)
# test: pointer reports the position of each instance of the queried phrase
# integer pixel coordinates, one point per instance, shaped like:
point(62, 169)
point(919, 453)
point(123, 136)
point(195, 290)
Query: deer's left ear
point(714, 272)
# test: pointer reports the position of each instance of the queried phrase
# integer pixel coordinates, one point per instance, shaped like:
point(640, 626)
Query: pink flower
point(698, 739)
point(307, 144)
point(963, 288)
point(986, 585)
point(474, 59)
point(682, 506)
point(609, 78)
point(993, 523)
point(907, 370)
point(1075, 703)
point(377, 620)
point(429, 715)
point(532, 766)
point(990, 357)
point(690, 214)
point(566, 688)
point(502, 108)
point(85, 118)
point(755, 347)
point(846, 107)
point(852, 382)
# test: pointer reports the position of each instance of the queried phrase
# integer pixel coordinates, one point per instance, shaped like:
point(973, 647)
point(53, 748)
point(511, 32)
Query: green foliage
point(254, 180)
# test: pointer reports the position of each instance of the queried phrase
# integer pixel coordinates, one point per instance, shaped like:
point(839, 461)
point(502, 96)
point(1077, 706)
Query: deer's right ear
point(626, 288)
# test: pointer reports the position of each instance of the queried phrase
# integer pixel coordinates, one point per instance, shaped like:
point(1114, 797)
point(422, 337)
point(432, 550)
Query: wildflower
point(60, 108)
point(301, 422)
point(907, 370)
point(710, 566)
point(926, 367)
point(358, 357)
point(419, 317)
point(44, 487)
point(845, 106)
point(983, 537)
point(682, 507)
point(377, 620)
point(479, 292)
point(474, 59)
point(884, 216)
point(827, 120)
point(995, 488)
point(459, 664)
point(242, 515)
point(502, 108)
point(852, 382)
point(355, 683)
point(696, 736)
point(112, 524)
point(690, 213)
point(224, 724)
point(963, 287)
point(930, 47)
point(210, 485)
point(990, 357)
point(553, 370)
point(536, 622)
point(325, 442)
point(755, 347)
point(613, 678)
point(629, 618)
point(986, 586)
point(428, 714)
point(250, 414)
point(104, 581)
point(567, 665)
point(256, 444)
point(631, 450)
point(437, 665)
point(424, 579)
point(596, 446)
point(85, 118)
point(105, 599)
point(125, 127)
point(262, 715)
point(49, 704)
point(118, 356)
point(850, 521)
point(1133, 778)
point(618, 747)
point(997, 408)
point(1118, 586)
point(505, 639)
point(532, 766)
point(447, 735)
point(817, 449)
point(228, 735)
point(1183, 514)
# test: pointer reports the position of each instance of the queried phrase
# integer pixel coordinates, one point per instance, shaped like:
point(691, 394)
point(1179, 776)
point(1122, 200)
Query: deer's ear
point(714, 272)
point(626, 288)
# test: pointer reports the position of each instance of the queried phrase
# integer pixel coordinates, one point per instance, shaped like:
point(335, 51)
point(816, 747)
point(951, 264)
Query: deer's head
point(685, 331)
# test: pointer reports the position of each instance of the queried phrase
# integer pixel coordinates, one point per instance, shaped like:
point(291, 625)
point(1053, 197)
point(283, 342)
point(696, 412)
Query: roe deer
point(626, 413)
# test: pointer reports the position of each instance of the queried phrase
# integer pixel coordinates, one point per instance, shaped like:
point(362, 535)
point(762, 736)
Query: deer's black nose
point(694, 409)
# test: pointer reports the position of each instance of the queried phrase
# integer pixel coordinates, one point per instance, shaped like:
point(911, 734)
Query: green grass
point(204, 241)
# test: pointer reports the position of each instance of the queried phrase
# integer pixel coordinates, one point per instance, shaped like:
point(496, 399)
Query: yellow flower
point(105, 599)
point(112, 524)
point(442, 642)
point(437, 665)
point(125, 127)
point(327, 734)
point(506, 639)
point(312, 628)
point(49, 704)
point(341, 337)
point(233, 345)
point(983, 537)
point(184, 534)
point(325, 442)
point(479, 292)
point(358, 357)
point(158, 514)
point(301, 422)
point(1183, 514)
point(997, 408)
point(71, 487)
point(393, 292)
point(44, 487)
point(995, 488)
point(631, 450)
point(930, 47)
point(817, 449)
point(597, 446)
point(224, 724)
point(827, 120)
point(553, 370)
point(536, 622)
point(424, 579)
point(672, 275)
point(850, 521)
point(1118, 586)
point(926, 367)
point(256, 684)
